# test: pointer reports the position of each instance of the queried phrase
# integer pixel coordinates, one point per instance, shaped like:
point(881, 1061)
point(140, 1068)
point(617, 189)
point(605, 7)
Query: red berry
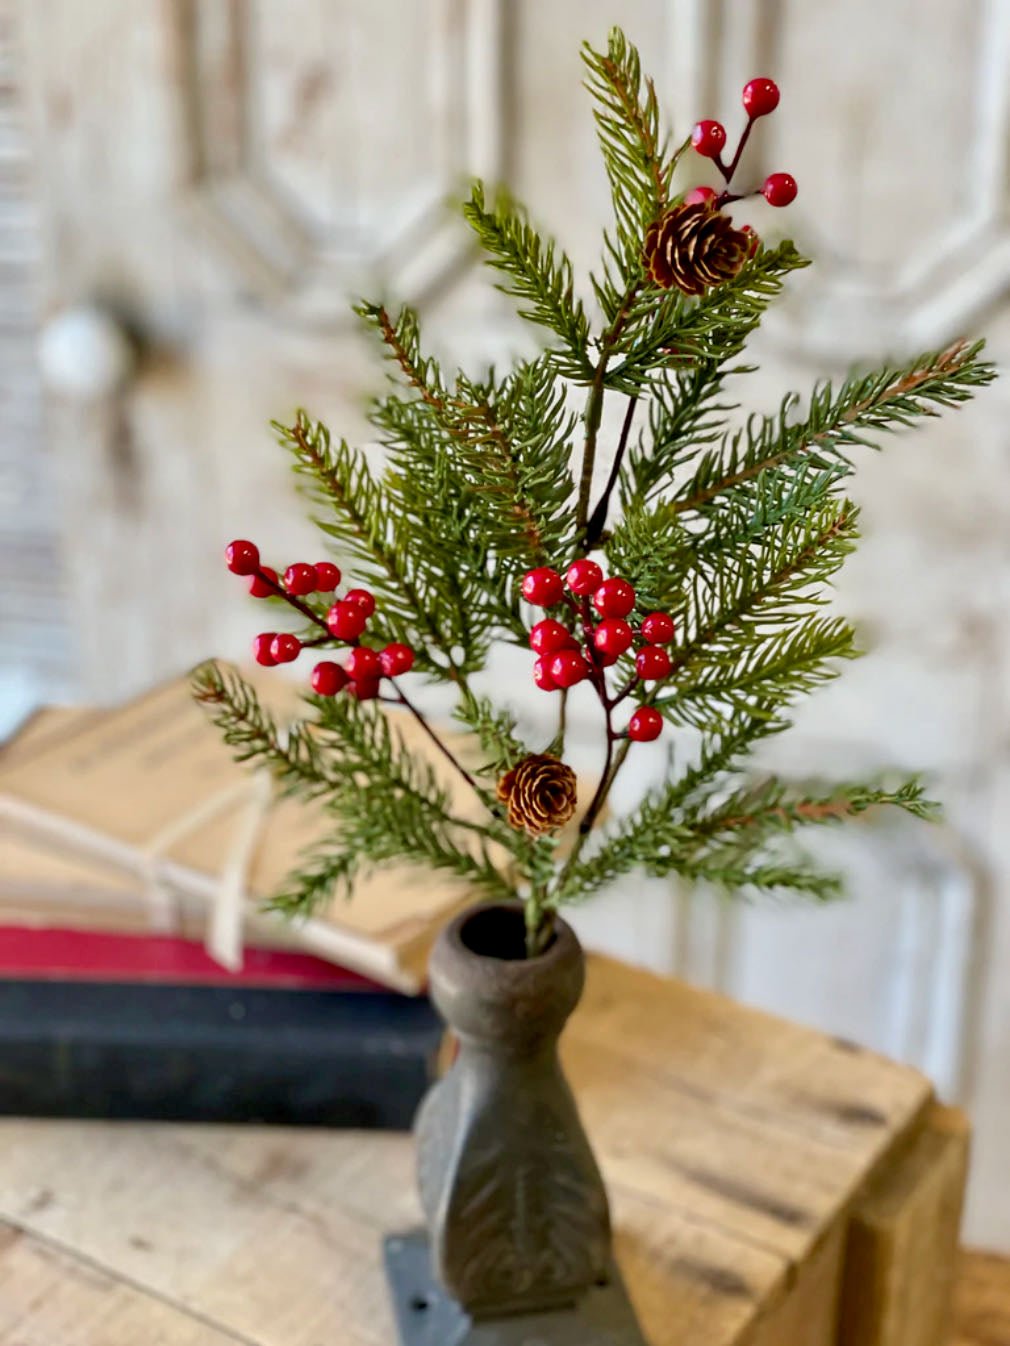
point(708, 138)
point(261, 649)
point(366, 690)
point(346, 620)
point(361, 598)
point(396, 659)
point(614, 598)
point(613, 636)
point(760, 96)
point(542, 674)
point(542, 587)
point(258, 585)
point(285, 648)
point(364, 664)
point(327, 576)
point(548, 636)
point(645, 725)
point(328, 678)
point(697, 195)
point(779, 189)
point(584, 577)
point(658, 628)
point(567, 667)
point(300, 579)
point(652, 663)
point(242, 557)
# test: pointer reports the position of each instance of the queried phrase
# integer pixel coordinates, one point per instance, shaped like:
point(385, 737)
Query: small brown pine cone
point(540, 792)
point(692, 248)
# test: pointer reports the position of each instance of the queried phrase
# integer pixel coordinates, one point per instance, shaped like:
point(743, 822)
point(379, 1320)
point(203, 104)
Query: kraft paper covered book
point(137, 817)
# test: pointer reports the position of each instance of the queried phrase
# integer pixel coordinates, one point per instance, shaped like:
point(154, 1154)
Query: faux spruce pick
point(687, 588)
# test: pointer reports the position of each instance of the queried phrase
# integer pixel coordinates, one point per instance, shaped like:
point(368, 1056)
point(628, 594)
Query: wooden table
point(771, 1186)
point(982, 1300)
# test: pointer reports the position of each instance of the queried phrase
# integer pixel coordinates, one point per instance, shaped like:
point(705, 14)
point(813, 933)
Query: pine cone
point(540, 792)
point(694, 247)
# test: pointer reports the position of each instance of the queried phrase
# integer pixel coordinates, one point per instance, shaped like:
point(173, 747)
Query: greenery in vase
point(490, 523)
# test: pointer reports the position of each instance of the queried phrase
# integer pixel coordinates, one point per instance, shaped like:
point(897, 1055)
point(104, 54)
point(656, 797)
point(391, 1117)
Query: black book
point(211, 1053)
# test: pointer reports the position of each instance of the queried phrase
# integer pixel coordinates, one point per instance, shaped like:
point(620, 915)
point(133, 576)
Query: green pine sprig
point(538, 274)
point(736, 526)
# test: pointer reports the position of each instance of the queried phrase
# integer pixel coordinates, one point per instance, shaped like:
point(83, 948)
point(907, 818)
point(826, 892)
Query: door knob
point(86, 354)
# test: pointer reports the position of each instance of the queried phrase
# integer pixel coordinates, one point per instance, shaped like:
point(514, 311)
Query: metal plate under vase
point(427, 1316)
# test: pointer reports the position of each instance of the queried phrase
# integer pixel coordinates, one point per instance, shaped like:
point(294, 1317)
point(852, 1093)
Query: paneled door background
point(189, 191)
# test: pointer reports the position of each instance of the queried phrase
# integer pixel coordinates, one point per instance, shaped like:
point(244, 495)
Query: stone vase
point(516, 1211)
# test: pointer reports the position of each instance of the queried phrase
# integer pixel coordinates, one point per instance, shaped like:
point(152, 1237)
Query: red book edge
point(53, 954)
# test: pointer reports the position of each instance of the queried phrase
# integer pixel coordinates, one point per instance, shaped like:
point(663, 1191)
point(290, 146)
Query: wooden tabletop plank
point(728, 1168)
point(802, 1081)
point(982, 1300)
point(49, 1297)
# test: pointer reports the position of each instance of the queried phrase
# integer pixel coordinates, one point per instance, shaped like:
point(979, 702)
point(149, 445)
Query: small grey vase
point(516, 1210)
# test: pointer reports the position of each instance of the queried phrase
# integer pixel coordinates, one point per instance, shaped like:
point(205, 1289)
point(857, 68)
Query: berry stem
point(405, 701)
point(728, 172)
point(400, 698)
point(296, 603)
point(610, 770)
point(625, 691)
point(727, 198)
point(598, 518)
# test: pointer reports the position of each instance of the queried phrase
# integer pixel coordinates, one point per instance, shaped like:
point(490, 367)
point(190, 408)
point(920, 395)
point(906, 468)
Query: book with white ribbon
point(137, 817)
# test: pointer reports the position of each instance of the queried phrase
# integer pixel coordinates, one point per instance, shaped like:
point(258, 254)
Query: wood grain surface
point(982, 1300)
point(737, 1148)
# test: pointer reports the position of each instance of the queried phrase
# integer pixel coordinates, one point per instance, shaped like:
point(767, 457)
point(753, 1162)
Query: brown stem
point(809, 810)
point(446, 752)
point(728, 172)
point(594, 404)
point(598, 518)
point(294, 602)
point(596, 803)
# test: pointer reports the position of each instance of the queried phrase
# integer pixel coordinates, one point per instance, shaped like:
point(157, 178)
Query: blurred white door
point(212, 177)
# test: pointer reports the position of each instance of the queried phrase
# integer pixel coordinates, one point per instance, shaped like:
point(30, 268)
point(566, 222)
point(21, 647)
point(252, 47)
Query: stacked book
point(141, 975)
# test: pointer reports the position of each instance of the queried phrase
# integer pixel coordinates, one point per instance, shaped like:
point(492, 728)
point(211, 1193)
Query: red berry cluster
point(563, 660)
point(345, 622)
point(760, 97)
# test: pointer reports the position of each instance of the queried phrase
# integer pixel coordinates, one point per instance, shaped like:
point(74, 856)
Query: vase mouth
point(498, 930)
point(484, 985)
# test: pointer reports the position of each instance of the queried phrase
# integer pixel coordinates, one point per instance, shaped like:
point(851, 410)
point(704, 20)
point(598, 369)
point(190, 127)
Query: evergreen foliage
point(735, 531)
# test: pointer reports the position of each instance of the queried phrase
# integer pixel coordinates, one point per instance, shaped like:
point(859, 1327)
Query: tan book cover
point(149, 796)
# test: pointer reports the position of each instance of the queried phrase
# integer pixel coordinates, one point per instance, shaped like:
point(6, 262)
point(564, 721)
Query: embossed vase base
point(427, 1316)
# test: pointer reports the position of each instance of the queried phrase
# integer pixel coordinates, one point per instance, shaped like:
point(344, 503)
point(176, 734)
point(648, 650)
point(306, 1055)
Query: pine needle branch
point(495, 730)
point(386, 802)
point(862, 408)
point(361, 518)
point(774, 806)
point(538, 274)
point(665, 329)
point(253, 733)
point(637, 158)
point(503, 436)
